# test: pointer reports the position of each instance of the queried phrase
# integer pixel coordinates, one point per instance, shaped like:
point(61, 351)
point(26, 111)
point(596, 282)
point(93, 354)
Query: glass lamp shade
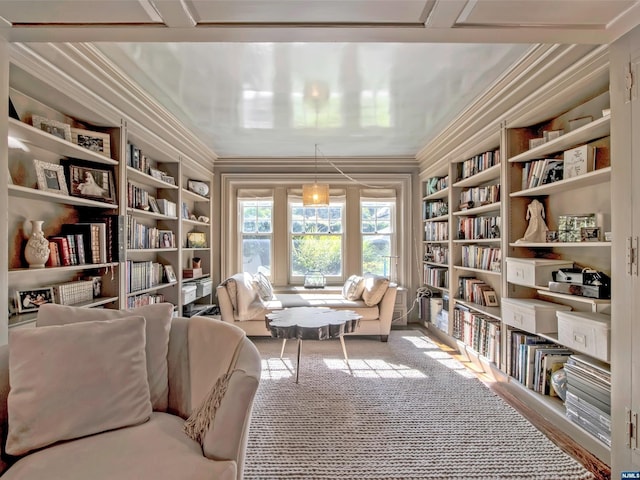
point(315, 194)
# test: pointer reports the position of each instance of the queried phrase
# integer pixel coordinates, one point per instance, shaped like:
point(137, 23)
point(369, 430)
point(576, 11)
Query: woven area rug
point(404, 410)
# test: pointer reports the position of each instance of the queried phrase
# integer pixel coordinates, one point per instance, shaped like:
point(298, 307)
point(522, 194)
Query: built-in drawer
point(533, 272)
point(531, 315)
point(586, 332)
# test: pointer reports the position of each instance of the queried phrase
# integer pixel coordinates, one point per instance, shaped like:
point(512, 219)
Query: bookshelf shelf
point(137, 176)
point(440, 218)
point(194, 222)
point(35, 194)
point(148, 250)
point(486, 175)
point(55, 270)
point(155, 288)
point(477, 240)
point(575, 298)
point(589, 179)
point(187, 280)
point(196, 249)
point(491, 207)
point(30, 135)
point(435, 241)
point(146, 214)
point(440, 194)
point(188, 194)
point(560, 244)
point(596, 129)
point(26, 318)
point(493, 312)
point(478, 270)
point(436, 264)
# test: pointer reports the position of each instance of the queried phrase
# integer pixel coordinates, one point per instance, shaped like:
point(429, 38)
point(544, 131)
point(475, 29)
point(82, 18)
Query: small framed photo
point(166, 239)
point(92, 182)
point(57, 129)
point(30, 300)
point(153, 205)
point(168, 179)
point(185, 211)
point(590, 234)
point(50, 177)
point(490, 298)
point(170, 274)
point(552, 236)
point(196, 240)
point(157, 174)
point(95, 141)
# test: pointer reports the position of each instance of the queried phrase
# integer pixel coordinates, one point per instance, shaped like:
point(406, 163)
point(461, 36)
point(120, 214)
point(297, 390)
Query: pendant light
point(315, 193)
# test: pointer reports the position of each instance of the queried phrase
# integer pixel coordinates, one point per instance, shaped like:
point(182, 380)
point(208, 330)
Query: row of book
point(534, 359)
point(72, 293)
point(541, 172)
point(435, 184)
point(92, 242)
point(477, 164)
point(478, 331)
point(141, 236)
point(436, 231)
point(472, 289)
point(477, 196)
point(434, 208)
point(481, 257)
point(143, 275)
point(436, 276)
point(478, 228)
point(437, 254)
point(588, 401)
point(136, 301)
point(137, 159)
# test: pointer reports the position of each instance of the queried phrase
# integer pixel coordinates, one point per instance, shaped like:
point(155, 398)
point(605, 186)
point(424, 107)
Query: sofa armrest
point(224, 302)
point(386, 307)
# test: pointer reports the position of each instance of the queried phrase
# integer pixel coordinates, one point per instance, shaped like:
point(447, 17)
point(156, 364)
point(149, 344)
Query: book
point(63, 249)
point(54, 255)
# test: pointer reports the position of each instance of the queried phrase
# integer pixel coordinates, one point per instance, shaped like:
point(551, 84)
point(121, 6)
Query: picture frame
point(31, 300)
point(57, 129)
point(590, 234)
point(490, 298)
point(91, 182)
point(170, 274)
point(157, 174)
point(153, 204)
point(50, 177)
point(552, 236)
point(95, 141)
point(196, 240)
point(185, 211)
point(166, 239)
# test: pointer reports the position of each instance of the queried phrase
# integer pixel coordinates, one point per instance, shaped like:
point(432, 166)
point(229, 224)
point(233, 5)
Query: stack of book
point(478, 331)
point(477, 196)
point(588, 401)
point(478, 228)
point(73, 292)
point(472, 289)
point(143, 275)
point(541, 172)
point(480, 162)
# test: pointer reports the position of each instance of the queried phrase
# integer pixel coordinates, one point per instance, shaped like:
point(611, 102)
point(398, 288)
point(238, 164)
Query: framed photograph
point(57, 129)
point(168, 179)
point(490, 298)
point(157, 174)
point(185, 211)
point(170, 274)
point(30, 300)
point(92, 182)
point(590, 234)
point(552, 236)
point(50, 177)
point(166, 239)
point(153, 205)
point(95, 141)
point(196, 240)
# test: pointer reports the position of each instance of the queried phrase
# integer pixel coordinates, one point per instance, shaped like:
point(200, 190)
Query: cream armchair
point(199, 352)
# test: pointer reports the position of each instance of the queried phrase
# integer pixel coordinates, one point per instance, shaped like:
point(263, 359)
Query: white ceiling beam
point(174, 13)
point(445, 13)
point(625, 22)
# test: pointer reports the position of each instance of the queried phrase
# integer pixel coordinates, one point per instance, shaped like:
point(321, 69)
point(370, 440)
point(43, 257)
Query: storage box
point(203, 287)
point(531, 315)
point(533, 272)
point(586, 332)
point(188, 294)
point(191, 272)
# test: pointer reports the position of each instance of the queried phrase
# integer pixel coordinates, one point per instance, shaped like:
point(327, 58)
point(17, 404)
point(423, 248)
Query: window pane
point(374, 250)
point(368, 226)
point(256, 252)
point(316, 253)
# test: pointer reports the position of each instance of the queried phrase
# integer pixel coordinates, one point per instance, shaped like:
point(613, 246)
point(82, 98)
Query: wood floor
point(600, 470)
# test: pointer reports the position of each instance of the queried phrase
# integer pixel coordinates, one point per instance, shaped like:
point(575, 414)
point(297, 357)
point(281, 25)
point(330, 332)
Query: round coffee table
point(311, 323)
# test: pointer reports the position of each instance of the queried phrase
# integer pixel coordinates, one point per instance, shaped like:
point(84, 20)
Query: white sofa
point(186, 359)
point(376, 318)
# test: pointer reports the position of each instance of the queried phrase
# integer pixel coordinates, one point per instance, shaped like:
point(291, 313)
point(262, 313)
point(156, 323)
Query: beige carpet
point(404, 410)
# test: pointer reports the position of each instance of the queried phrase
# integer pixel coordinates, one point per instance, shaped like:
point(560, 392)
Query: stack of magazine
point(588, 401)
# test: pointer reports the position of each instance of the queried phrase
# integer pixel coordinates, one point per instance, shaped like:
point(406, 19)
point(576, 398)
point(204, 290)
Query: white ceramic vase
point(37, 250)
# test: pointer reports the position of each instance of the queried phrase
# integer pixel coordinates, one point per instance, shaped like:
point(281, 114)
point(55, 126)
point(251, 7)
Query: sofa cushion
point(246, 302)
point(263, 286)
point(332, 300)
point(158, 324)
point(70, 381)
point(375, 287)
point(353, 287)
point(155, 450)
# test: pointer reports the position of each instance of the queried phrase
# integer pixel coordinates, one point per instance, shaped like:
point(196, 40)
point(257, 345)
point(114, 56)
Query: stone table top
point(312, 323)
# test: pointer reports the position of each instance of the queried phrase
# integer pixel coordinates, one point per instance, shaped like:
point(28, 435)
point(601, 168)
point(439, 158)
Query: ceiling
point(361, 78)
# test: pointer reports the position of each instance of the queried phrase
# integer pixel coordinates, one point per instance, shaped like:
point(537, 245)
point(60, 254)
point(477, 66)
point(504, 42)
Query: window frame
point(392, 234)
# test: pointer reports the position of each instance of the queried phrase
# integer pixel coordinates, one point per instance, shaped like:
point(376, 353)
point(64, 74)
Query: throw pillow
point(353, 287)
point(158, 324)
point(375, 287)
point(70, 381)
point(246, 302)
point(263, 287)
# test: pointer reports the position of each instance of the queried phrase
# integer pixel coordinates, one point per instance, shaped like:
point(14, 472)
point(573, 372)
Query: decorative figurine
point(537, 230)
